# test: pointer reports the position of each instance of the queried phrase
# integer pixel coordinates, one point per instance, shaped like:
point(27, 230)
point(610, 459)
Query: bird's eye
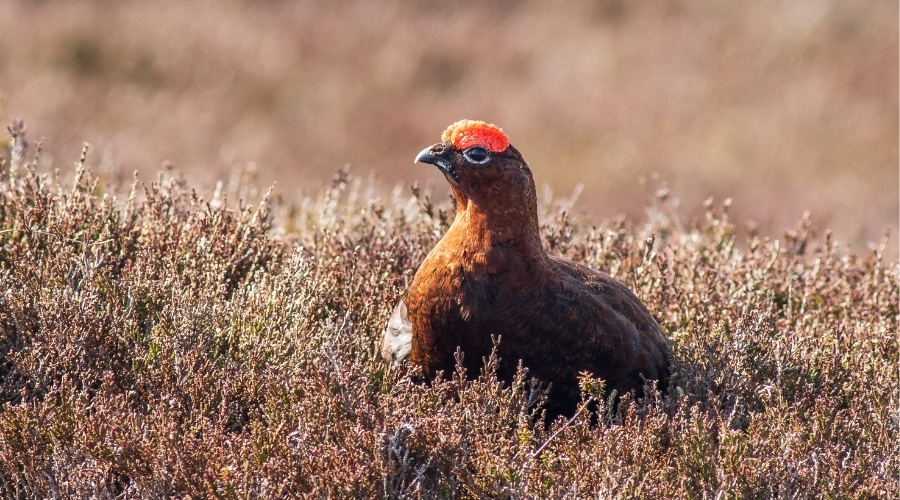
point(476, 154)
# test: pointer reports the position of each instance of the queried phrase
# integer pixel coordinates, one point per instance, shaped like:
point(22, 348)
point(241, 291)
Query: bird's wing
point(614, 294)
point(397, 341)
point(621, 326)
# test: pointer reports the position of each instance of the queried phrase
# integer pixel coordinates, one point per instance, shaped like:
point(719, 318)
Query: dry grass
point(156, 343)
point(784, 106)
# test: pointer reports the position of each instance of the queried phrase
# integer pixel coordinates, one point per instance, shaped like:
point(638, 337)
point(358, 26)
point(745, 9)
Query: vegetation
point(785, 106)
point(154, 342)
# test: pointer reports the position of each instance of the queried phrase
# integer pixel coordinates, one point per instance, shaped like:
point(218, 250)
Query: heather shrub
point(157, 343)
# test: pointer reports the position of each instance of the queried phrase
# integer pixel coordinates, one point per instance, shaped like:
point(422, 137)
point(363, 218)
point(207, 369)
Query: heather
point(786, 105)
point(158, 341)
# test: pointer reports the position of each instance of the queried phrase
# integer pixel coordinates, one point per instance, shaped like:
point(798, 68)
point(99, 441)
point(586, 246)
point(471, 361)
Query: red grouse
point(489, 275)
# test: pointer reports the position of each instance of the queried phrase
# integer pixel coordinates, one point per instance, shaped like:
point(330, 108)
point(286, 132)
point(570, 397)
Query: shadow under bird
point(489, 275)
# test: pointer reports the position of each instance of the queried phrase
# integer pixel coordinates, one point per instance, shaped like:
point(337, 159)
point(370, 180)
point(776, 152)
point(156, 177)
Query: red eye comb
point(467, 133)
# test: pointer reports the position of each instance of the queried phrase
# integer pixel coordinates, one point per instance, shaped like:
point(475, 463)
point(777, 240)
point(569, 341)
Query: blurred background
point(783, 106)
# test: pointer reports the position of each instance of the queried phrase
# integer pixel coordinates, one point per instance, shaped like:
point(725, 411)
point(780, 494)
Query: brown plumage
point(489, 275)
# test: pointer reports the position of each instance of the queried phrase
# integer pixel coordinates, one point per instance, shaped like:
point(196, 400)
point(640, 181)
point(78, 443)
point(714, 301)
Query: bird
point(490, 276)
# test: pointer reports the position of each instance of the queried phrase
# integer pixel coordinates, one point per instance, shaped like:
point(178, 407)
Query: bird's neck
point(505, 228)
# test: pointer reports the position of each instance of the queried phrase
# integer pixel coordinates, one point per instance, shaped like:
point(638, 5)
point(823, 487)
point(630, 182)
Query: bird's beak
point(437, 156)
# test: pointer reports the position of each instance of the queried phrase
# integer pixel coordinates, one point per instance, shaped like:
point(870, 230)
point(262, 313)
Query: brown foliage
point(785, 106)
point(157, 344)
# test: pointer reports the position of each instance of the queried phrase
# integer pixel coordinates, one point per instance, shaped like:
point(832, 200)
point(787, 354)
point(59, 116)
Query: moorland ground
point(155, 341)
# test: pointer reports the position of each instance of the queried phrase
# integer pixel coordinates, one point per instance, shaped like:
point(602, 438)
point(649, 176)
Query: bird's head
point(482, 167)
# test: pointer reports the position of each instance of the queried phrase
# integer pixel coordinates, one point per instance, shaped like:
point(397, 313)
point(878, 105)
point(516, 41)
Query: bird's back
point(614, 334)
